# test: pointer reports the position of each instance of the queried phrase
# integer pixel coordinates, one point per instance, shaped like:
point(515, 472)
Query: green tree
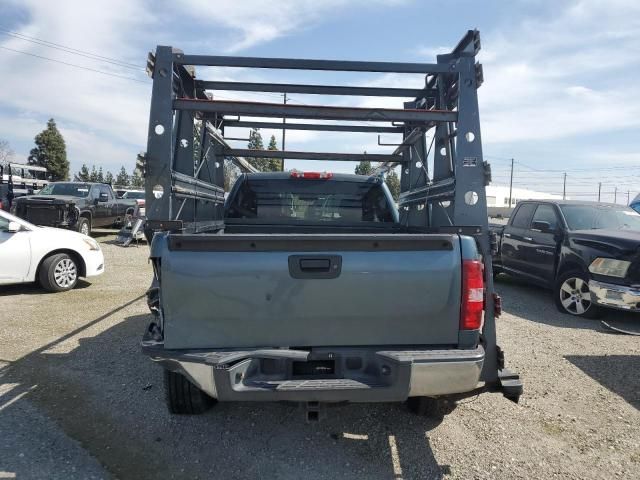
point(255, 143)
point(51, 152)
point(93, 176)
point(108, 178)
point(261, 163)
point(83, 174)
point(122, 179)
point(393, 182)
point(100, 176)
point(364, 168)
point(136, 178)
point(275, 164)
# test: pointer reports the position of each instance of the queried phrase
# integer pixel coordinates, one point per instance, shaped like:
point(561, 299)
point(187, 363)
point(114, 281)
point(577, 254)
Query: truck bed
point(295, 290)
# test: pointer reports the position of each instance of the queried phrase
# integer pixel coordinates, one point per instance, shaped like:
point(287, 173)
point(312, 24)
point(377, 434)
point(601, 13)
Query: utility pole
point(599, 188)
point(510, 184)
point(628, 192)
point(564, 187)
point(284, 130)
point(615, 195)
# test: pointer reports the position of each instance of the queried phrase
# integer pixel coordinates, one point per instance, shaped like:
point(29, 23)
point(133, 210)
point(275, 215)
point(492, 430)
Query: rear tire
point(435, 408)
point(58, 273)
point(84, 226)
point(572, 296)
point(183, 397)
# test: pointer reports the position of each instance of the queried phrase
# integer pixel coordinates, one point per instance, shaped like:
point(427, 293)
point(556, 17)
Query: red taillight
point(311, 175)
point(472, 295)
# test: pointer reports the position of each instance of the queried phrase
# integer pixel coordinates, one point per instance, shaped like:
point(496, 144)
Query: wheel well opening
point(567, 267)
point(82, 268)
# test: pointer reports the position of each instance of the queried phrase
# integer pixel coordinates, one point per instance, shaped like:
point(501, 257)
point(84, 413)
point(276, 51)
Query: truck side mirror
point(14, 227)
point(542, 226)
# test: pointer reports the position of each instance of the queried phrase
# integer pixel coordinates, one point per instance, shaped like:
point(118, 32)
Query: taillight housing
point(472, 304)
point(311, 175)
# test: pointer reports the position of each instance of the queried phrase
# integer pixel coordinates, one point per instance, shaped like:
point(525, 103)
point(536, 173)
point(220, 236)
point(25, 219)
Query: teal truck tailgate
point(235, 291)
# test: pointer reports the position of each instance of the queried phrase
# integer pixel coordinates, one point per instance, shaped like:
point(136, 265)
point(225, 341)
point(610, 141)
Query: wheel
point(430, 407)
point(58, 273)
point(183, 397)
point(572, 295)
point(84, 227)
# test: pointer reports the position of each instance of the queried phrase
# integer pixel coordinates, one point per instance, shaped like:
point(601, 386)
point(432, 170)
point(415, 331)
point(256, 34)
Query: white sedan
point(54, 257)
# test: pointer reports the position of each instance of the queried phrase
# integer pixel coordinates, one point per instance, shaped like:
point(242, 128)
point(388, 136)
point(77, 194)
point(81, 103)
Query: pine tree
point(51, 152)
point(136, 179)
point(100, 176)
point(83, 174)
point(393, 182)
point(93, 176)
point(364, 168)
point(255, 143)
point(122, 179)
point(275, 164)
point(108, 178)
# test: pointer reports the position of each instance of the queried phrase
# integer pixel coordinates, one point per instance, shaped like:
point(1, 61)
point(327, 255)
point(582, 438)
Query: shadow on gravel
point(535, 304)
point(109, 397)
point(617, 373)
point(34, 288)
point(133, 245)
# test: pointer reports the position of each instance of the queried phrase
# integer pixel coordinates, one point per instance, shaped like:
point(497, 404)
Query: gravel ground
point(78, 400)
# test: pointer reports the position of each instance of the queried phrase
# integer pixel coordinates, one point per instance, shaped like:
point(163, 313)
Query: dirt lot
point(78, 400)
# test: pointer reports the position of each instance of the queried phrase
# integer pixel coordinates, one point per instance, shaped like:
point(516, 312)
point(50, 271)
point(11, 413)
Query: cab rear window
point(306, 200)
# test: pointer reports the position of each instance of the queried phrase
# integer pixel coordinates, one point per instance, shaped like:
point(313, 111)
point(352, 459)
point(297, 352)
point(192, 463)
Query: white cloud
point(103, 118)
point(258, 22)
point(561, 76)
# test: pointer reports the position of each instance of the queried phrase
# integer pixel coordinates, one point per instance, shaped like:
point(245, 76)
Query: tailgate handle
point(315, 266)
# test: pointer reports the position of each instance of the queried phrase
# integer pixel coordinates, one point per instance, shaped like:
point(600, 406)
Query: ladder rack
point(185, 113)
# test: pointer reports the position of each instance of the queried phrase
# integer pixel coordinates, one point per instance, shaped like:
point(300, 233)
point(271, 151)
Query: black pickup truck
point(587, 252)
point(79, 206)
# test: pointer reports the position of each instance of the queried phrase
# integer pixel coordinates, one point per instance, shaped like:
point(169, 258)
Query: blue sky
point(560, 91)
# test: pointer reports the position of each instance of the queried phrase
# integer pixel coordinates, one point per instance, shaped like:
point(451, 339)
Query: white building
point(498, 196)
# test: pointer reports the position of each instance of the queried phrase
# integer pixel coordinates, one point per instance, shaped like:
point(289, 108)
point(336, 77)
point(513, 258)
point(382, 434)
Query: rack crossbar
point(317, 112)
point(288, 154)
point(306, 64)
point(316, 89)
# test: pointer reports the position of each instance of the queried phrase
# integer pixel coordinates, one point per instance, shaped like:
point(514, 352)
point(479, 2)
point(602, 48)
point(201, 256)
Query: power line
point(71, 50)
point(620, 166)
point(74, 65)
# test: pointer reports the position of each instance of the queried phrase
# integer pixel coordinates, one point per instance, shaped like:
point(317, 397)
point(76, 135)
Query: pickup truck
point(78, 206)
point(315, 292)
point(588, 253)
point(310, 286)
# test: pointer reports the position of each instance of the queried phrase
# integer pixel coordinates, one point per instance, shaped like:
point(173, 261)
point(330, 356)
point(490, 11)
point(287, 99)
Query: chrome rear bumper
point(360, 375)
